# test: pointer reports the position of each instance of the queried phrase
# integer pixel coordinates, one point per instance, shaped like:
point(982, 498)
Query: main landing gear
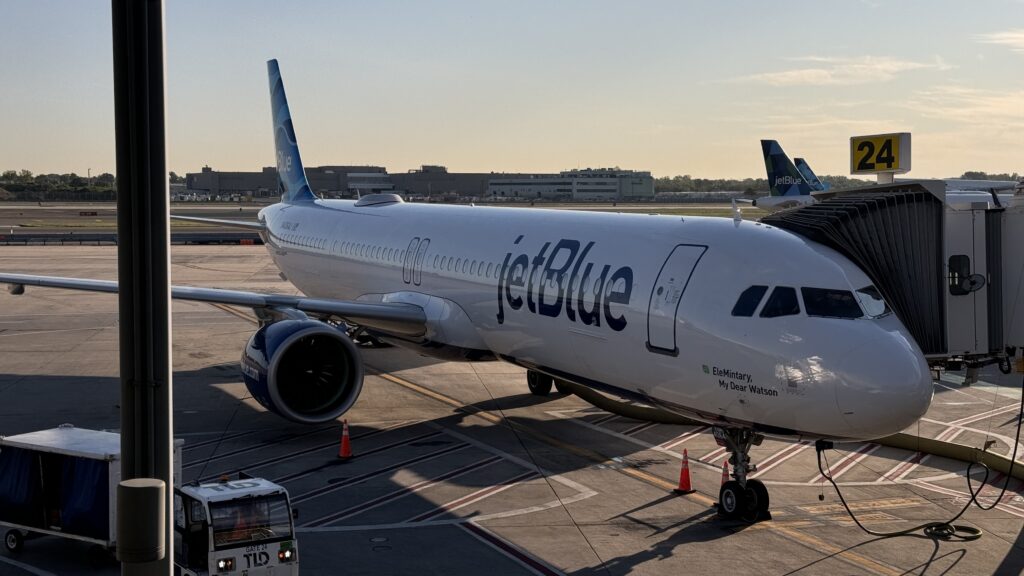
point(741, 498)
point(540, 384)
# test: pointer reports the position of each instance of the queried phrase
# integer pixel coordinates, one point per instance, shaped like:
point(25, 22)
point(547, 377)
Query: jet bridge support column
point(143, 255)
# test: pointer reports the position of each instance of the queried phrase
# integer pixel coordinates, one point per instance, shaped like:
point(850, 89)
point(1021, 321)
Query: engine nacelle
point(303, 370)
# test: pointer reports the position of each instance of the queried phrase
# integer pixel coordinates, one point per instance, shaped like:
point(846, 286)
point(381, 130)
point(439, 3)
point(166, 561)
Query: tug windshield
point(243, 522)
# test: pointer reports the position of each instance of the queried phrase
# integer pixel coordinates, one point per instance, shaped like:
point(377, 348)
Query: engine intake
point(303, 370)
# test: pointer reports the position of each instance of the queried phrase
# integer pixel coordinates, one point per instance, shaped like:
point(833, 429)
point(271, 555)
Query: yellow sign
point(880, 153)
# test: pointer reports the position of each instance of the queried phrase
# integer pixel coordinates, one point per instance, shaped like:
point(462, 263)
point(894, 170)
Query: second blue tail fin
point(783, 177)
point(291, 178)
point(809, 176)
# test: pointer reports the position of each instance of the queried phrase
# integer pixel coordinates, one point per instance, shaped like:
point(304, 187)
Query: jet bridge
point(949, 262)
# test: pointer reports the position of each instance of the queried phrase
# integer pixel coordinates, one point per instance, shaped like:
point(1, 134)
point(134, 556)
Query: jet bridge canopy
point(895, 234)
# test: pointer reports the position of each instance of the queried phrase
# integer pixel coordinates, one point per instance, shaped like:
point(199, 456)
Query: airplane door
point(417, 270)
point(410, 259)
point(666, 295)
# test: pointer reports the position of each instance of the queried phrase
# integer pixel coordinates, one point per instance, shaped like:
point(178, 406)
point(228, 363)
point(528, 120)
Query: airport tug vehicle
point(242, 526)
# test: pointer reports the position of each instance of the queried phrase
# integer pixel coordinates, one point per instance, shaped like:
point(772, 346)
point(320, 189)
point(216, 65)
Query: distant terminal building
point(327, 181)
point(429, 183)
point(602, 184)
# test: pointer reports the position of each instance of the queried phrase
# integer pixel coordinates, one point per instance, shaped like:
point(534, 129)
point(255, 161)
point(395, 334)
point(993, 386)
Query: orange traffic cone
point(725, 471)
point(345, 451)
point(684, 476)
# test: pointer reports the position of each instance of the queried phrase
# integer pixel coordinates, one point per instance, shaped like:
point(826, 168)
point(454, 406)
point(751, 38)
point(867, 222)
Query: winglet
point(291, 178)
point(783, 177)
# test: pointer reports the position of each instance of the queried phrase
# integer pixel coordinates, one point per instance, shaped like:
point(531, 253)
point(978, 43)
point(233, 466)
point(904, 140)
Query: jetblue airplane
point(747, 327)
point(788, 186)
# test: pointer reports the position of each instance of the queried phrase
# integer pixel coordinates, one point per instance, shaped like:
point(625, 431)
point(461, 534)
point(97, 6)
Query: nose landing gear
point(741, 498)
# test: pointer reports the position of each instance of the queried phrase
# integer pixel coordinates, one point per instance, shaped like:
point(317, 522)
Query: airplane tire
point(14, 541)
point(539, 384)
point(758, 494)
point(732, 500)
point(562, 388)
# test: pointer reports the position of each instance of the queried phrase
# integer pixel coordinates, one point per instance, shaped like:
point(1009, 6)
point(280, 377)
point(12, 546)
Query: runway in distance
point(747, 327)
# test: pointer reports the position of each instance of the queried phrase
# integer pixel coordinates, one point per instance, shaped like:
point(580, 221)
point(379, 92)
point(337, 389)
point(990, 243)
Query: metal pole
point(143, 254)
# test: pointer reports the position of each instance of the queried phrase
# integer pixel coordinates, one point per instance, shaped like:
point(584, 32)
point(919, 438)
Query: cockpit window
point(830, 303)
point(782, 302)
point(872, 302)
point(749, 300)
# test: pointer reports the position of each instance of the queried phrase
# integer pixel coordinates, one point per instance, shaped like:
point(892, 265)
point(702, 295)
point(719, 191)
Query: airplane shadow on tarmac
point(203, 403)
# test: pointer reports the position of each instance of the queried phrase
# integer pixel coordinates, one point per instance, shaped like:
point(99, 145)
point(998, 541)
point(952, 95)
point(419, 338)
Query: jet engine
point(303, 370)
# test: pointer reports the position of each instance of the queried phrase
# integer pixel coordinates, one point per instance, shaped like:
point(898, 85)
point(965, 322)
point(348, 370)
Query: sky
point(671, 87)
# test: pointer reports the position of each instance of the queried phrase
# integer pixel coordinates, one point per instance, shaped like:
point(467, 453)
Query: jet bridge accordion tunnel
point(944, 261)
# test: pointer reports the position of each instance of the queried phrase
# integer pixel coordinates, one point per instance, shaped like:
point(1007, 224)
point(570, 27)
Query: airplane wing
point(395, 318)
point(257, 226)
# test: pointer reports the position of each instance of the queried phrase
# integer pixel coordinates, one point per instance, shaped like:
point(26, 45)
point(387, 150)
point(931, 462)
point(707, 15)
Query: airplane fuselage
point(640, 305)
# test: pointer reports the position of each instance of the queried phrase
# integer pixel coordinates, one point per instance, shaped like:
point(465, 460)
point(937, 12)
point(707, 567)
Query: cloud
point(843, 71)
point(999, 110)
point(1013, 39)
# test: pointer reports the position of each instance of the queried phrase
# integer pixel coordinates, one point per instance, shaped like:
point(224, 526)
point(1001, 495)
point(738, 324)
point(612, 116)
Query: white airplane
point(747, 327)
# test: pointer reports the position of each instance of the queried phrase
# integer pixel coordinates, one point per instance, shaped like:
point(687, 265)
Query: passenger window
point(782, 302)
point(749, 300)
point(488, 269)
point(444, 262)
point(830, 303)
point(472, 268)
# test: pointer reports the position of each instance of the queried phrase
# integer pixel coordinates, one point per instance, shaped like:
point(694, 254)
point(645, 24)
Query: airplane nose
point(883, 386)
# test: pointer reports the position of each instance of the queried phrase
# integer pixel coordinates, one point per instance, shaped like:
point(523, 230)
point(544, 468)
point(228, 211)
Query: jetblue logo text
point(560, 279)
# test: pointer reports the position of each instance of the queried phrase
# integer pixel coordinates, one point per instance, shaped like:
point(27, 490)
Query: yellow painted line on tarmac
point(234, 311)
point(865, 505)
point(819, 545)
point(787, 529)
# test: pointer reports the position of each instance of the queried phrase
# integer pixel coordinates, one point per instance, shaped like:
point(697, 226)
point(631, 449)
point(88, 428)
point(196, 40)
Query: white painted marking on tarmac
point(404, 491)
point(780, 457)
point(678, 456)
point(525, 559)
point(1008, 440)
point(515, 459)
point(474, 497)
point(847, 462)
point(1014, 510)
point(53, 331)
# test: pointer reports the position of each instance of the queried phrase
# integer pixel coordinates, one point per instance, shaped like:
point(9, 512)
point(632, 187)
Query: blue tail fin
point(783, 177)
point(291, 178)
point(809, 176)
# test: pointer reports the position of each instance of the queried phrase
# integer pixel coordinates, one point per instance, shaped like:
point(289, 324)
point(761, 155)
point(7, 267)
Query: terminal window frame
point(830, 303)
point(782, 302)
point(749, 300)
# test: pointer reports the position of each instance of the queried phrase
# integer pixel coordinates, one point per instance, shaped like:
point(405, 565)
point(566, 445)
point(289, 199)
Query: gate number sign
point(880, 153)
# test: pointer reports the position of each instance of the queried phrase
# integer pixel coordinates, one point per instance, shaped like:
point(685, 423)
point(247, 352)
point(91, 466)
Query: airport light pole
point(143, 259)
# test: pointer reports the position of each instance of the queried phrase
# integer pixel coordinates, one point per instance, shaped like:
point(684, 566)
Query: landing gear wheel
point(14, 541)
point(732, 500)
point(539, 384)
point(758, 500)
point(562, 388)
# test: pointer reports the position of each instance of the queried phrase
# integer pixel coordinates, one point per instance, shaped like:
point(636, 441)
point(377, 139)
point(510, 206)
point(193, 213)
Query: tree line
point(26, 186)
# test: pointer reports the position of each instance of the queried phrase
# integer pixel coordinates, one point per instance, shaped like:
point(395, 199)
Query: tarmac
point(459, 470)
